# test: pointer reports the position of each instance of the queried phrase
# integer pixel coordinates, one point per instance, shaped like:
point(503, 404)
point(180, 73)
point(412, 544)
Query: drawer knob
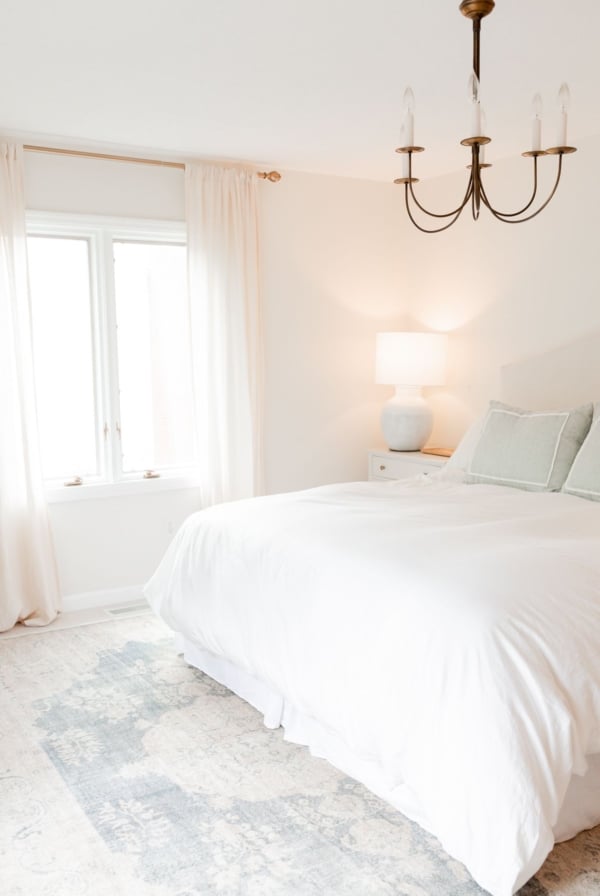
point(382, 466)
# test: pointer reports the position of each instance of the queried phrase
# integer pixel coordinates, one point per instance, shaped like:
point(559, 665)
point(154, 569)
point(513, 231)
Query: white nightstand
point(402, 464)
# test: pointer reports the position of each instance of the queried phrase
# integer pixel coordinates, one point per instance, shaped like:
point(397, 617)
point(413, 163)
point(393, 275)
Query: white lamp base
point(406, 420)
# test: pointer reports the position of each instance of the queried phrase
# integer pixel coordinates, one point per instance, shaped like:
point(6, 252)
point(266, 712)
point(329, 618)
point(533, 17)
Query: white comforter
point(448, 632)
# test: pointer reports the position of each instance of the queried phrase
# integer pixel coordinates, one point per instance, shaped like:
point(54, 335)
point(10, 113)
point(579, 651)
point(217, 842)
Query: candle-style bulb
point(473, 88)
point(536, 123)
point(408, 100)
point(407, 137)
point(475, 129)
point(564, 98)
point(483, 131)
point(564, 101)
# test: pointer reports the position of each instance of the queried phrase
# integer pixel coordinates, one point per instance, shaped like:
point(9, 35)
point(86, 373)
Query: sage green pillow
point(532, 450)
point(584, 476)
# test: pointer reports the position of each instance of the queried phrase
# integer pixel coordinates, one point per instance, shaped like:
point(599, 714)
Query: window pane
point(153, 355)
point(63, 354)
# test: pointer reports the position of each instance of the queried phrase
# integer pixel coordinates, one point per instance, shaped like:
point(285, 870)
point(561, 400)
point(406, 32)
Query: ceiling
point(314, 85)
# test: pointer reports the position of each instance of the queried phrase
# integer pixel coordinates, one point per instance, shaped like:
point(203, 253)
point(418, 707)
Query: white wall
point(91, 186)
point(506, 292)
point(331, 269)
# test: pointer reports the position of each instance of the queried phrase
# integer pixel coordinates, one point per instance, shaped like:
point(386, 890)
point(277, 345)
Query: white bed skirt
point(580, 809)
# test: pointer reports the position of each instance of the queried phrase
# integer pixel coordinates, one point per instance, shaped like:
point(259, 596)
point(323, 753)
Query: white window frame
point(101, 231)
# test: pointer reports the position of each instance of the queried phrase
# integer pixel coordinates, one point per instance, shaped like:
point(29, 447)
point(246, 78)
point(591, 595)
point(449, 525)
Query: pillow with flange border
point(584, 476)
point(531, 450)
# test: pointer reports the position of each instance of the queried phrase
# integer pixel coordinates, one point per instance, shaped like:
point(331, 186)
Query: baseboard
point(111, 597)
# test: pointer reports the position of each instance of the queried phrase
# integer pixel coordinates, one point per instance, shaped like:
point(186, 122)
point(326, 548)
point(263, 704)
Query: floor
point(163, 783)
point(76, 618)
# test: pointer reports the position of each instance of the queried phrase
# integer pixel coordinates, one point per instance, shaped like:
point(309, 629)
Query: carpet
point(123, 772)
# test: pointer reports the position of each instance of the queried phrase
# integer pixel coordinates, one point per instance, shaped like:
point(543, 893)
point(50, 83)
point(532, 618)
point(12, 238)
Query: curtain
point(29, 590)
point(225, 325)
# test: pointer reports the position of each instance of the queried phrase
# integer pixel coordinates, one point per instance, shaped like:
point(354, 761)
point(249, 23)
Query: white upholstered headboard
point(561, 378)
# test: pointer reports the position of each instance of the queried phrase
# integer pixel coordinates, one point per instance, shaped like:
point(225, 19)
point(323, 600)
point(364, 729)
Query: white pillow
point(460, 459)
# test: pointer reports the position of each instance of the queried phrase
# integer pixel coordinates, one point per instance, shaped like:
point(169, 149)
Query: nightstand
point(402, 464)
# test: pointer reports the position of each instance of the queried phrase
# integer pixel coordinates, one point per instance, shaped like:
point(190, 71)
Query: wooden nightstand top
point(438, 452)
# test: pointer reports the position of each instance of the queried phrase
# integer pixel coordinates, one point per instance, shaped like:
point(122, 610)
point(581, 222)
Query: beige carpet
point(125, 773)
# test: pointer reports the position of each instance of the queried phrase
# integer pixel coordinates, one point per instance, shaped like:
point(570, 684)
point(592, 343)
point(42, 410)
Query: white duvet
point(449, 633)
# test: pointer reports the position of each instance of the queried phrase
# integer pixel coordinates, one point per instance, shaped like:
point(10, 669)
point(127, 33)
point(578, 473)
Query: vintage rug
point(125, 773)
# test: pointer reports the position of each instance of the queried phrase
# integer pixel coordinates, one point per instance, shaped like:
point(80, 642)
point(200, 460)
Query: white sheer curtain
point(222, 233)
point(29, 590)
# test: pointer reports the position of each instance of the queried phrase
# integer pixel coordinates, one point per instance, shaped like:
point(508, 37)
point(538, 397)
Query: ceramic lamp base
point(406, 420)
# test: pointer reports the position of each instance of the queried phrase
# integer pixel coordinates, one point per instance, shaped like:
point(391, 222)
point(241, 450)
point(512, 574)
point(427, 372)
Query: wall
point(331, 270)
point(340, 262)
point(332, 273)
point(506, 292)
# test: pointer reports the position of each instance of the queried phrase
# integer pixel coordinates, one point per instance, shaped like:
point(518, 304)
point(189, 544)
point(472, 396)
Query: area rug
point(123, 772)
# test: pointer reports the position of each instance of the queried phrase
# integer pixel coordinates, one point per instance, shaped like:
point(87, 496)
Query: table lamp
point(409, 361)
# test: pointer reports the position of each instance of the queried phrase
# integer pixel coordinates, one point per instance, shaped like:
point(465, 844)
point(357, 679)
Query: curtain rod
point(273, 176)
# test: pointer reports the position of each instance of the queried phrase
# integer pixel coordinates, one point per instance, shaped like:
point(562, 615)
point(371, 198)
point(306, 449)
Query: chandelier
point(475, 194)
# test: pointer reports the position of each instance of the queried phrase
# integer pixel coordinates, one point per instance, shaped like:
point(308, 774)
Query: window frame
point(101, 231)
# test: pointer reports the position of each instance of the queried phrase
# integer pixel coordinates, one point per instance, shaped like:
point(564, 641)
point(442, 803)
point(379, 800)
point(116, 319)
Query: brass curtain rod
point(273, 176)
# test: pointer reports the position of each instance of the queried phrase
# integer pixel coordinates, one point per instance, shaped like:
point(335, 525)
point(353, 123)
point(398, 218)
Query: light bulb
point(564, 98)
point(536, 124)
point(408, 100)
point(483, 130)
point(407, 137)
point(473, 87)
point(475, 129)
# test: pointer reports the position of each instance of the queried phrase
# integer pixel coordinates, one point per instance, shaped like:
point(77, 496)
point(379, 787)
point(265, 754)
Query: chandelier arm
point(455, 211)
point(436, 229)
point(508, 220)
point(525, 207)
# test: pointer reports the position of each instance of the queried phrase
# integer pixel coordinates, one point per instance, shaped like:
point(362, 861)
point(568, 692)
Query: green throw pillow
point(584, 476)
point(532, 450)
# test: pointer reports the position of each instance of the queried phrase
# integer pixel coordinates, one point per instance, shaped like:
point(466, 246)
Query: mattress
point(380, 620)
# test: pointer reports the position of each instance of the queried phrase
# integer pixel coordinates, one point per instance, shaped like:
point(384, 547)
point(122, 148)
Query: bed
point(436, 639)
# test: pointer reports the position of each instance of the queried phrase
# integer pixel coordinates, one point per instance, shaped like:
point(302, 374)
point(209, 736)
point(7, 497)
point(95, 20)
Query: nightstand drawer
point(401, 465)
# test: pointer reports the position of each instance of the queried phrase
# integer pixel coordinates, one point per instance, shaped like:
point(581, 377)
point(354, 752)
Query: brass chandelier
point(475, 194)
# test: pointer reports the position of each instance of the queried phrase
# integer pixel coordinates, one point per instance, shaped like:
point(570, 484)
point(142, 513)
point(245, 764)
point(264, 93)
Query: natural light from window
point(153, 355)
point(63, 351)
point(112, 352)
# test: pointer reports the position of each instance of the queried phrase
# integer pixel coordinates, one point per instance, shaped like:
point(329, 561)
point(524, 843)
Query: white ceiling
point(314, 85)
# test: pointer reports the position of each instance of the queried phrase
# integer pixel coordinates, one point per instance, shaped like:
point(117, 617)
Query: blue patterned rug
point(123, 772)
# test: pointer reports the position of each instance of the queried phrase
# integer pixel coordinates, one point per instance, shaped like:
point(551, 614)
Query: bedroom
point(339, 261)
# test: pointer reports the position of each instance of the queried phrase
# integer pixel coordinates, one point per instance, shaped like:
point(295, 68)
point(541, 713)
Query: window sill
point(129, 487)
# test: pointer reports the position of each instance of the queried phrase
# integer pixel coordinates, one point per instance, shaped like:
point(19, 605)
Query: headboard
point(561, 378)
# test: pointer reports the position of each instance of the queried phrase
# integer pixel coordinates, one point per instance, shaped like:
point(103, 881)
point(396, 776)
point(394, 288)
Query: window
point(111, 345)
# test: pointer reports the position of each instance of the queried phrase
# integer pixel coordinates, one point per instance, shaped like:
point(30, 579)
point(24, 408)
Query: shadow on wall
point(562, 377)
point(565, 376)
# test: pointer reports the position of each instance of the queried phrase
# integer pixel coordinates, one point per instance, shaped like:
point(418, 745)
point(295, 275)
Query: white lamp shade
point(411, 359)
